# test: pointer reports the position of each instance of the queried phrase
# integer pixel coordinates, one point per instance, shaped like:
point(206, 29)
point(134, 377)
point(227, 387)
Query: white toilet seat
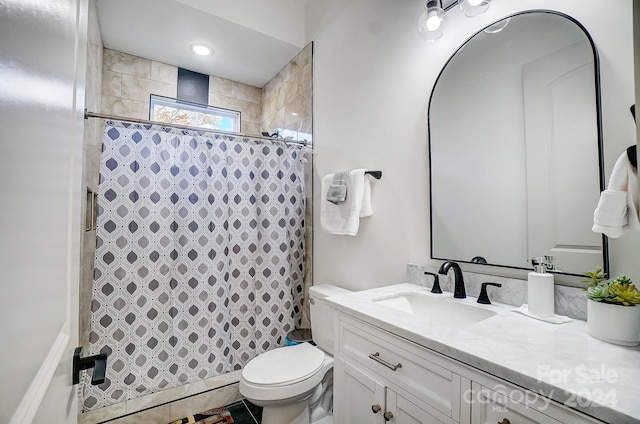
point(284, 373)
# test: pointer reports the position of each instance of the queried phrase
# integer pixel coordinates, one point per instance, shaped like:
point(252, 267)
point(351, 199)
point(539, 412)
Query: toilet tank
point(322, 315)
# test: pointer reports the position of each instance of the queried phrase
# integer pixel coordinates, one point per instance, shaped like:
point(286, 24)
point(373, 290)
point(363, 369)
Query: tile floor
point(244, 412)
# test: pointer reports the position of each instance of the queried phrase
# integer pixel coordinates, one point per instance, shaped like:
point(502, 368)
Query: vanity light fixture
point(472, 8)
point(201, 49)
point(432, 20)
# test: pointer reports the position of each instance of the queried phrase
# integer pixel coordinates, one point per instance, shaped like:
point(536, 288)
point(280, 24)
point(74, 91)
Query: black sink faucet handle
point(484, 297)
point(436, 283)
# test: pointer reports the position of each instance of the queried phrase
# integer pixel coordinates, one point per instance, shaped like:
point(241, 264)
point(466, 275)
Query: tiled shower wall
point(287, 104)
point(121, 84)
point(286, 99)
point(128, 82)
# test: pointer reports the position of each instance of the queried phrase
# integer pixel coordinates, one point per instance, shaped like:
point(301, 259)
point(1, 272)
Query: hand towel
point(617, 210)
point(344, 218)
point(337, 191)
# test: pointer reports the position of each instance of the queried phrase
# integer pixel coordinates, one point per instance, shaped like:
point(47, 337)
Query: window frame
point(235, 115)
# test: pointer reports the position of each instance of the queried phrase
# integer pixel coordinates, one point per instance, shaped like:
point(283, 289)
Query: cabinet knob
point(376, 408)
point(387, 415)
point(504, 421)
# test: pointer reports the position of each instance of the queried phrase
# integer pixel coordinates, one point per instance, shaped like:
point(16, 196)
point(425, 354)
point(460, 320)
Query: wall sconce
point(472, 8)
point(432, 20)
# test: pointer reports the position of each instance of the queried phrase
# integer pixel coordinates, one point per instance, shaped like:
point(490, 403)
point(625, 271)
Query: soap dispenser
point(540, 288)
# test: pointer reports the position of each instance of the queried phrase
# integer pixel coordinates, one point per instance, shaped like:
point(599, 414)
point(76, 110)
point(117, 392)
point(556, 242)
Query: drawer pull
point(504, 421)
point(376, 357)
point(375, 408)
point(388, 415)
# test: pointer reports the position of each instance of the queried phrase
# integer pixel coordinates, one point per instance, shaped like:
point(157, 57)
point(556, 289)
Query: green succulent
point(599, 293)
point(622, 280)
point(593, 278)
point(620, 291)
point(625, 294)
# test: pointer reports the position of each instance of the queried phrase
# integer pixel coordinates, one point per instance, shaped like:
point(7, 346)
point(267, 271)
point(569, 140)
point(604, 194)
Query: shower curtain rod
point(88, 114)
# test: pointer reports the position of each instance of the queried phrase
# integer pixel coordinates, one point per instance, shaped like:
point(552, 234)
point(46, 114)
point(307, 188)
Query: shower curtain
point(199, 256)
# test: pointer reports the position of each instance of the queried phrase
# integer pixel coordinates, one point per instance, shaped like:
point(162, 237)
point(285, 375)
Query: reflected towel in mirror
point(617, 210)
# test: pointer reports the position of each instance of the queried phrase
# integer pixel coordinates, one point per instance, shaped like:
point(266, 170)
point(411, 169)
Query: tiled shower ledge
point(172, 404)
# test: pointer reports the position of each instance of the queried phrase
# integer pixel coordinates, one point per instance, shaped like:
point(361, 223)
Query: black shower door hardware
point(97, 362)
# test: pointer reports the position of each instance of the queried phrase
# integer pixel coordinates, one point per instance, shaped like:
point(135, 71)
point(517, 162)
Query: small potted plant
point(612, 312)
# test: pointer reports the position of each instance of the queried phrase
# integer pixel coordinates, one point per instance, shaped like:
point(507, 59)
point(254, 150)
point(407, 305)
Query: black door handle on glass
point(97, 362)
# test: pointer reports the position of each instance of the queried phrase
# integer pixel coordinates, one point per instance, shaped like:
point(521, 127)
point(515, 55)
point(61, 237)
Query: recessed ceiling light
point(201, 49)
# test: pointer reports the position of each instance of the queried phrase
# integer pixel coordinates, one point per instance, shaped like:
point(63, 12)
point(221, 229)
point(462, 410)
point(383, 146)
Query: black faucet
point(458, 288)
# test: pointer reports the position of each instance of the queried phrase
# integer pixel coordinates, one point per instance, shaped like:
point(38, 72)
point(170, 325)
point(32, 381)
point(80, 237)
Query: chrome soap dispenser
point(540, 288)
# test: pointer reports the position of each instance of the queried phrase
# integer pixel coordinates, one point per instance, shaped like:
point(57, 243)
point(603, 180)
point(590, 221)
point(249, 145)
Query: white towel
point(617, 210)
point(344, 218)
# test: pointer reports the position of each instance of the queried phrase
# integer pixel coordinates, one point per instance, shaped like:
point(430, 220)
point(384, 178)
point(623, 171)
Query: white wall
point(372, 79)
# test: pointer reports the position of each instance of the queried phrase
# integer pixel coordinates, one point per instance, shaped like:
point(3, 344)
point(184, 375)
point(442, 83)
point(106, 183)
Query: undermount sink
point(434, 309)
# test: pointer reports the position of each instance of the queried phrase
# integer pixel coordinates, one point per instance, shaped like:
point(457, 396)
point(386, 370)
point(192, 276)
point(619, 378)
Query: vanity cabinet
point(374, 367)
point(362, 396)
point(366, 400)
point(380, 377)
point(490, 407)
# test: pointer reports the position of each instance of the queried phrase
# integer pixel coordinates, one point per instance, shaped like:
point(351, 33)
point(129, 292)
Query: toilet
point(294, 384)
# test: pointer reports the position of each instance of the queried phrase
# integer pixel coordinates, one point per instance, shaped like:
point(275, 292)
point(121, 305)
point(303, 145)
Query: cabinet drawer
point(490, 407)
point(421, 373)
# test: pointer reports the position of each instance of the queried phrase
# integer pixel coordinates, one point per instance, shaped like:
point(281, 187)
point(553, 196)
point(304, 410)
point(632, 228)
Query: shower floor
point(174, 404)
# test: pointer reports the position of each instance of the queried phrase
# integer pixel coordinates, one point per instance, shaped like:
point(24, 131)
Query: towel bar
point(375, 174)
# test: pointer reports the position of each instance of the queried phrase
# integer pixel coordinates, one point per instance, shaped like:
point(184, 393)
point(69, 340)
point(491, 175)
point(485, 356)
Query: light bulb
point(433, 21)
point(201, 49)
point(472, 8)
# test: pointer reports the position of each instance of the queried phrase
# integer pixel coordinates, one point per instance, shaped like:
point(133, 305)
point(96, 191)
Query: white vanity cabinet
point(409, 383)
point(366, 400)
point(491, 407)
point(380, 377)
point(362, 397)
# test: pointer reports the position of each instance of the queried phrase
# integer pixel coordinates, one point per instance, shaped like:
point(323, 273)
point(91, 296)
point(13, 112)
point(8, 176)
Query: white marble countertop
point(560, 361)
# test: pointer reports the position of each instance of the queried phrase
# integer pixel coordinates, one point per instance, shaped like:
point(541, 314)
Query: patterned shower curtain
point(199, 256)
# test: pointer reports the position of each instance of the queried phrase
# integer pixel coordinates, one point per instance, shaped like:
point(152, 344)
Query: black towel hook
point(632, 151)
point(375, 174)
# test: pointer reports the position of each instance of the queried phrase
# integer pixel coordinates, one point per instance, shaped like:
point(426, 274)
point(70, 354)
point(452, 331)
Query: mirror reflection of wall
point(514, 147)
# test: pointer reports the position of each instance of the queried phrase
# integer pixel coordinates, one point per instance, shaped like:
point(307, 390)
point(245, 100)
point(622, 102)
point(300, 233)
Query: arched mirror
point(516, 149)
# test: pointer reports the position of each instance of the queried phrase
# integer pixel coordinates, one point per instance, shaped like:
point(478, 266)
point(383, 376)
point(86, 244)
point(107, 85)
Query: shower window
point(174, 111)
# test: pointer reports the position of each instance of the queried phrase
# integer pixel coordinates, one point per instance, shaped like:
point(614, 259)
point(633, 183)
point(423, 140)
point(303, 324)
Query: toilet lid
point(284, 365)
